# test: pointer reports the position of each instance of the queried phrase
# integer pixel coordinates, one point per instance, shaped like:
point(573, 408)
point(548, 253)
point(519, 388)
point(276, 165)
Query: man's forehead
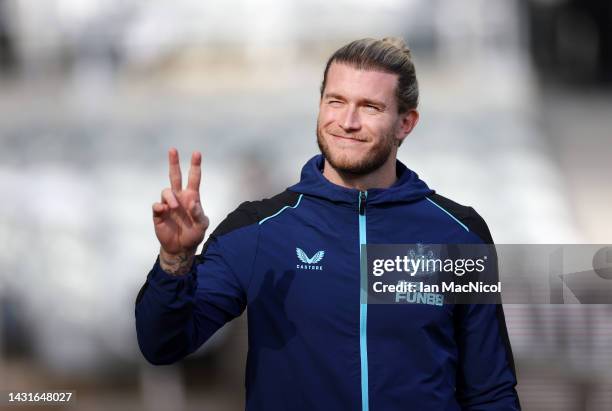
point(343, 78)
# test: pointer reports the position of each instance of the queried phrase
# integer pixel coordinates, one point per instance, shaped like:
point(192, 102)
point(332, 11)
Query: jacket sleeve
point(175, 315)
point(486, 377)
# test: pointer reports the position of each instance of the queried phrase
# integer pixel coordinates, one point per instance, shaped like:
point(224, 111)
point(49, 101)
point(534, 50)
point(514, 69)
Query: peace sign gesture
point(179, 220)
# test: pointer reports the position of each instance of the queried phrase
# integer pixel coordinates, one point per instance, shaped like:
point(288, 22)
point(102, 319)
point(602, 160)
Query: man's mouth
point(347, 137)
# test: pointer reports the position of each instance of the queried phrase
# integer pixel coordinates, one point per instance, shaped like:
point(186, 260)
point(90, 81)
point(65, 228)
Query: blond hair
point(391, 55)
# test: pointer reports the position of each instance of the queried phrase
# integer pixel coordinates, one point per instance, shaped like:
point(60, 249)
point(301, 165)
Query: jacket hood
point(408, 186)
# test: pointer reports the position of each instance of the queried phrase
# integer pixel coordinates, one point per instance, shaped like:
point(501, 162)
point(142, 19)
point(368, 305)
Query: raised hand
point(179, 220)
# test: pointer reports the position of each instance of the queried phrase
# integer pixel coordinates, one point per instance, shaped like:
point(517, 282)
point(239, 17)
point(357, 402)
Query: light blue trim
point(452, 216)
point(363, 346)
point(282, 209)
point(363, 310)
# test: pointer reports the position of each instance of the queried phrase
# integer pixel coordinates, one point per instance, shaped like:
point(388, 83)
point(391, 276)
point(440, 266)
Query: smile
point(348, 138)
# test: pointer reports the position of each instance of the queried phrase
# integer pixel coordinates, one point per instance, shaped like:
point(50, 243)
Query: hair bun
point(397, 42)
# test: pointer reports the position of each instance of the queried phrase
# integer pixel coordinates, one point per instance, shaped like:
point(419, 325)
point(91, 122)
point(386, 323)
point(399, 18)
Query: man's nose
point(350, 120)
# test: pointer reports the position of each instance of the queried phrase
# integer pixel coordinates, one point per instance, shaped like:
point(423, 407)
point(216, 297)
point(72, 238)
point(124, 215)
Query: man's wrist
point(176, 264)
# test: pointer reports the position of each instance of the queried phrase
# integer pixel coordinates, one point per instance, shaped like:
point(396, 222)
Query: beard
point(375, 158)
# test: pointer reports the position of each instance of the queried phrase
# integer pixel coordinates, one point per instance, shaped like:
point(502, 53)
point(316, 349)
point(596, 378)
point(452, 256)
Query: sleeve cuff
point(164, 279)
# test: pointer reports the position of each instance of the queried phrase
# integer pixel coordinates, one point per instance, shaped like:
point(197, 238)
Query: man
point(312, 344)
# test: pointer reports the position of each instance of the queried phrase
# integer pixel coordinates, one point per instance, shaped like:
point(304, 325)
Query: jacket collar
point(408, 186)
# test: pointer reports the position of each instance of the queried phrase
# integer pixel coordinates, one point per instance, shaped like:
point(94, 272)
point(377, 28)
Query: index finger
point(195, 171)
point(176, 183)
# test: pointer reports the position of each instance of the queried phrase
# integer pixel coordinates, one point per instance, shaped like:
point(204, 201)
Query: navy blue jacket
point(312, 344)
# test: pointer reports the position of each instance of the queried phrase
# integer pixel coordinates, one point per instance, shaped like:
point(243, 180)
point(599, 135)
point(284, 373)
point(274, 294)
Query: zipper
point(363, 302)
point(362, 203)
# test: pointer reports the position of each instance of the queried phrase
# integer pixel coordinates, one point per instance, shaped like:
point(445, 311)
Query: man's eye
point(334, 102)
point(370, 107)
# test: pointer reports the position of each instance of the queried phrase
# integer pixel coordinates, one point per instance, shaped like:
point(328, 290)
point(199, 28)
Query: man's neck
point(383, 177)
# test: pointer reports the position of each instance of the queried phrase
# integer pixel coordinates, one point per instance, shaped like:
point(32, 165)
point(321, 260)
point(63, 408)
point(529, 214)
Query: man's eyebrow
point(333, 95)
point(365, 100)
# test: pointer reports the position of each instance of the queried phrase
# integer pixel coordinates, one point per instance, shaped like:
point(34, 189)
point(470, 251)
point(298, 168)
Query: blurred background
point(516, 121)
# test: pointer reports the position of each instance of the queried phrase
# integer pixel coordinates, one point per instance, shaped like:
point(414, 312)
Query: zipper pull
point(362, 202)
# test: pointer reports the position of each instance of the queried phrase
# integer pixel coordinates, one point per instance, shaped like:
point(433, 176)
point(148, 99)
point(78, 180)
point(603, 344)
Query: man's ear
point(408, 122)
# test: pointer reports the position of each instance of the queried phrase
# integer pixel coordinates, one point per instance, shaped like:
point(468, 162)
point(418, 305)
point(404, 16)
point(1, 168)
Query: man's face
point(358, 127)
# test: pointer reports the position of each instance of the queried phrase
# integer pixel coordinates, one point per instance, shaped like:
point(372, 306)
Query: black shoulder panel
point(467, 215)
point(251, 212)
